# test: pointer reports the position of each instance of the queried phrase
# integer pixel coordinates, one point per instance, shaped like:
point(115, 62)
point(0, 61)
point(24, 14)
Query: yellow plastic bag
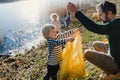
point(72, 65)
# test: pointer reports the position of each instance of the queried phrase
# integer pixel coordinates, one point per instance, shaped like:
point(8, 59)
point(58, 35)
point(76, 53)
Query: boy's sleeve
point(53, 42)
point(66, 34)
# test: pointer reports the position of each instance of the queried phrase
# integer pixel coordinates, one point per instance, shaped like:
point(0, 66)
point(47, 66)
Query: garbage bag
point(72, 65)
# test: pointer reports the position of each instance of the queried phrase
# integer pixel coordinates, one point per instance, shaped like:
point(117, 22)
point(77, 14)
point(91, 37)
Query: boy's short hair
point(108, 6)
point(46, 29)
point(54, 14)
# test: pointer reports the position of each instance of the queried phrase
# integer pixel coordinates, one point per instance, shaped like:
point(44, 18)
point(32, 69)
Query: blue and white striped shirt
point(55, 47)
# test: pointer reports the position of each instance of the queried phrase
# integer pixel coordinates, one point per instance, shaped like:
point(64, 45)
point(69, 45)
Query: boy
point(54, 44)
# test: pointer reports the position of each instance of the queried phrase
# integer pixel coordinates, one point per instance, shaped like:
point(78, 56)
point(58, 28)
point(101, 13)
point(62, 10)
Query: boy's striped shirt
point(55, 47)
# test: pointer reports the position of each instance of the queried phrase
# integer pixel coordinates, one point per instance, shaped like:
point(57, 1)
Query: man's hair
point(46, 30)
point(108, 6)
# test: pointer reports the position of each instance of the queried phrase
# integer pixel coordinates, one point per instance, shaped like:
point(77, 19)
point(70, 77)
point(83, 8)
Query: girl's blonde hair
point(54, 14)
point(46, 30)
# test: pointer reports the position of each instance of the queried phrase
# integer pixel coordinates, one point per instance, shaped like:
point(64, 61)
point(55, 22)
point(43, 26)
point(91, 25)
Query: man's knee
point(88, 54)
point(96, 44)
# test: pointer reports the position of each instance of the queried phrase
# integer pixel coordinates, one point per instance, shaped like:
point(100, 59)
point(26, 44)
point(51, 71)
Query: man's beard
point(107, 18)
point(105, 21)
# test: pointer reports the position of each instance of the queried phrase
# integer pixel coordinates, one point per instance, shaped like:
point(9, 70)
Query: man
point(100, 46)
point(106, 10)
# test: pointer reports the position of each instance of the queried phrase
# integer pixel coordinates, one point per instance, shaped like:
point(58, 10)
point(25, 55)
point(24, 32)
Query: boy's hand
point(71, 39)
point(76, 30)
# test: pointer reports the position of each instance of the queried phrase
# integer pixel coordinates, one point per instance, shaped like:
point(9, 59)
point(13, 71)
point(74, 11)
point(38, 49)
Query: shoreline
point(22, 66)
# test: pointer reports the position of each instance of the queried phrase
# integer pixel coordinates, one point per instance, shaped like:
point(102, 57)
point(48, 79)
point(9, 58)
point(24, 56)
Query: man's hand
point(71, 7)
